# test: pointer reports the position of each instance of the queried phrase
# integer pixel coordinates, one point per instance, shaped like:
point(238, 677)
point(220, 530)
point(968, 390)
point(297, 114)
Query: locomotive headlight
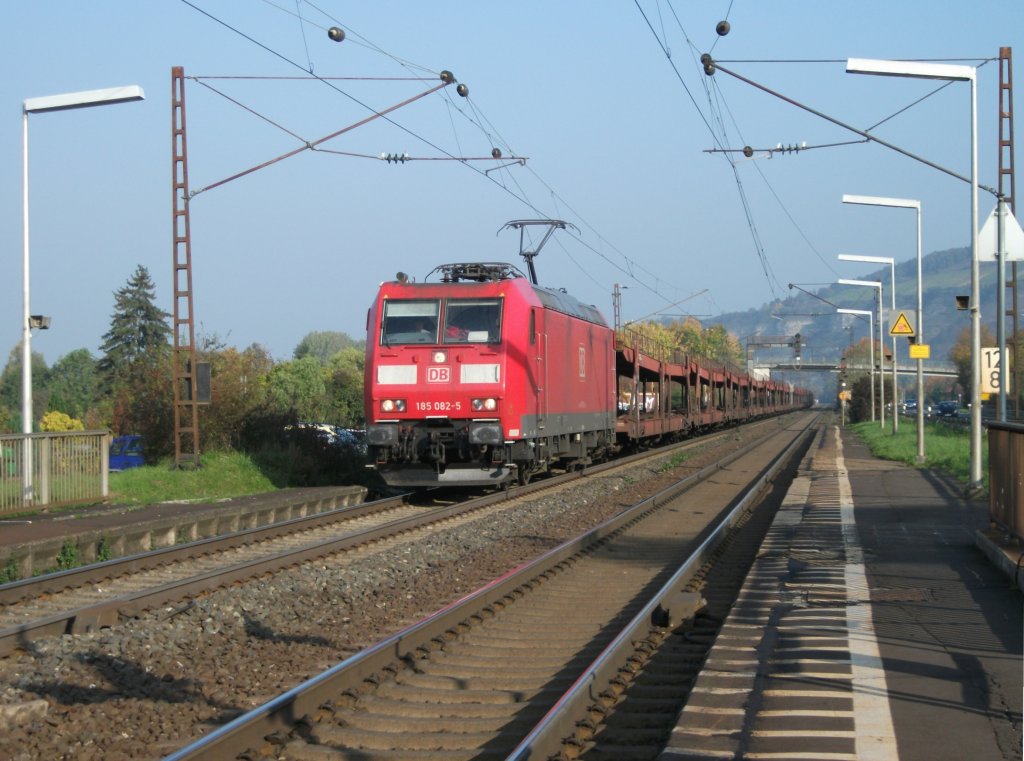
point(439, 357)
point(392, 405)
point(485, 404)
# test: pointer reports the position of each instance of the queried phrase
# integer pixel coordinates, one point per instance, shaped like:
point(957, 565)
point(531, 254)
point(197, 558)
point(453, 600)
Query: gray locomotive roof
point(552, 298)
point(561, 301)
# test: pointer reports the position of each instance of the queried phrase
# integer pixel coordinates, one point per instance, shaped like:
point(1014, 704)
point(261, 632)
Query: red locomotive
point(481, 376)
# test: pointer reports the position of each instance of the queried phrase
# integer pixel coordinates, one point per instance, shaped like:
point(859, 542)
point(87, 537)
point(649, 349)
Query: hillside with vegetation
point(826, 336)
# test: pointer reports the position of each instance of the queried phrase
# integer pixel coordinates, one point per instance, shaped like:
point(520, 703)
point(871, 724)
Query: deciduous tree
point(239, 394)
point(10, 387)
point(322, 345)
point(297, 389)
point(73, 383)
point(345, 387)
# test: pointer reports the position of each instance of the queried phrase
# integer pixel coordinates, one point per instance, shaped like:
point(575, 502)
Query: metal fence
point(1005, 475)
point(42, 470)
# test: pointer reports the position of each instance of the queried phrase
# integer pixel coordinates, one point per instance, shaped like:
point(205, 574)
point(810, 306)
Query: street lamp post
point(881, 386)
point(63, 102)
point(892, 280)
point(951, 72)
point(871, 344)
point(903, 203)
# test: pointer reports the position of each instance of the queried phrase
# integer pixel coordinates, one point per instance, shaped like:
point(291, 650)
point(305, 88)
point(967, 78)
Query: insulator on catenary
point(722, 28)
point(748, 151)
point(336, 33)
point(462, 90)
point(496, 153)
point(394, 158)
point(447, 77)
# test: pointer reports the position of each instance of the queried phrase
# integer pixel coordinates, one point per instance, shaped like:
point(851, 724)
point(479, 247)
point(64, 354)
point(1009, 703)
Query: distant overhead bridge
point(934, 369)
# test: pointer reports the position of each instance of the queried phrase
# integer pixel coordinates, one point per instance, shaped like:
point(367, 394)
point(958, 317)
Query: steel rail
point(280, 713)
point(109, 612)
point(94, 573)
point(560, 723)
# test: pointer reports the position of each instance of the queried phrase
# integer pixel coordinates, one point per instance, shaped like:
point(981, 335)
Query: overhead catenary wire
point(351, 33)
point(820, 298)
point(520, 196)
point(866, 137)
point(778, 200)
point(632, 266)
point(748, 212)
point(724, 18)
point(328, 83)
point(315, 145)
point(311, 145)
point(863, 133)
point(302, 31)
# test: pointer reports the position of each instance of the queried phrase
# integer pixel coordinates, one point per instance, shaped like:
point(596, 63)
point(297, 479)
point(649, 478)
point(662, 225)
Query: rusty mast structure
point(186, 399)
point(1006, 191)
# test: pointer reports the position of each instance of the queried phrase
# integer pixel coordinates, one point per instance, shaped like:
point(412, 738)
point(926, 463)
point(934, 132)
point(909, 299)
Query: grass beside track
point(946, 448)
point(223, 475)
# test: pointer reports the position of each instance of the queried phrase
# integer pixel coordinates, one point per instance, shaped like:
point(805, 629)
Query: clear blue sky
point(582, 88)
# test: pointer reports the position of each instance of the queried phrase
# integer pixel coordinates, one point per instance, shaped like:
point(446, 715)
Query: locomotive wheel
point(523, 474)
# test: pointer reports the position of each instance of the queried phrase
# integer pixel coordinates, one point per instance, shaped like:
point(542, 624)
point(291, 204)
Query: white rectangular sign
point(992, 372)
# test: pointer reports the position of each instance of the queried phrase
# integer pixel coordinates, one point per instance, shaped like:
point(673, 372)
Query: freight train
point(480, 376)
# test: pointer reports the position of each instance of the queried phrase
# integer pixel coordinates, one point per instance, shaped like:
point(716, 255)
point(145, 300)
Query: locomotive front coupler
point(437, 450)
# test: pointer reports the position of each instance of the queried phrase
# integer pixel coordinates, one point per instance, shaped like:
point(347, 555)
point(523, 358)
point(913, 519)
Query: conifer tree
point(138, 328)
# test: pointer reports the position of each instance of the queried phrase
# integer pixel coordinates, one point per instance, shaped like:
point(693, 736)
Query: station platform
point(871, 626)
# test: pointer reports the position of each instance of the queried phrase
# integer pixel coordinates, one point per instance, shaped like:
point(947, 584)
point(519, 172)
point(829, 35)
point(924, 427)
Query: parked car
point(336, 436)
point(126, 452)
point(947, 408)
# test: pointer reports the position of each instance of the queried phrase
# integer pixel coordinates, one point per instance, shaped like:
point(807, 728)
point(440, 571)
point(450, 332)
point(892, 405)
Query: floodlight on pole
point(881, 386)
point(953, 73)
point(62, 102)
point(871, 349)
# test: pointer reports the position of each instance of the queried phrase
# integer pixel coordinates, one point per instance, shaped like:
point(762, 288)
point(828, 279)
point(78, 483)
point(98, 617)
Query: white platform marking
point(876, 737)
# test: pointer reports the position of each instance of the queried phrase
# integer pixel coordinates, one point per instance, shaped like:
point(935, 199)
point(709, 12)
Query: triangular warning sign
point(902, 326)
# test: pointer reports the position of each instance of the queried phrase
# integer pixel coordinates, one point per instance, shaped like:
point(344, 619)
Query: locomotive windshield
point(472, 321)
point(409, 322)
point(464, 321)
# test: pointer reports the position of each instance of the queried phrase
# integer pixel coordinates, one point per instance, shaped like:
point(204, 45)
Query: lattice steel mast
point(186, 401)
point(1006, 191)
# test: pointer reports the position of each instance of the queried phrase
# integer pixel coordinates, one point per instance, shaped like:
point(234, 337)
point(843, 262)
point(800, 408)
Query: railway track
point(89, 598)
point(539, 656)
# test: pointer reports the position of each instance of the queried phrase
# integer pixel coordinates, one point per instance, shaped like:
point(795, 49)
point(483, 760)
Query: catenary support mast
point(1006, 190)
point(186, 406)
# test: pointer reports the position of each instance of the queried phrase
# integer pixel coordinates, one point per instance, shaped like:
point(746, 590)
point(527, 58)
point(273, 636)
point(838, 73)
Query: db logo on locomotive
point(439, 374)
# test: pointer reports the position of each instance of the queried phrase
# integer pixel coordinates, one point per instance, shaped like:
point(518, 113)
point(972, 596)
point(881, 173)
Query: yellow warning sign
point(920, 351)
point(902, 326)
